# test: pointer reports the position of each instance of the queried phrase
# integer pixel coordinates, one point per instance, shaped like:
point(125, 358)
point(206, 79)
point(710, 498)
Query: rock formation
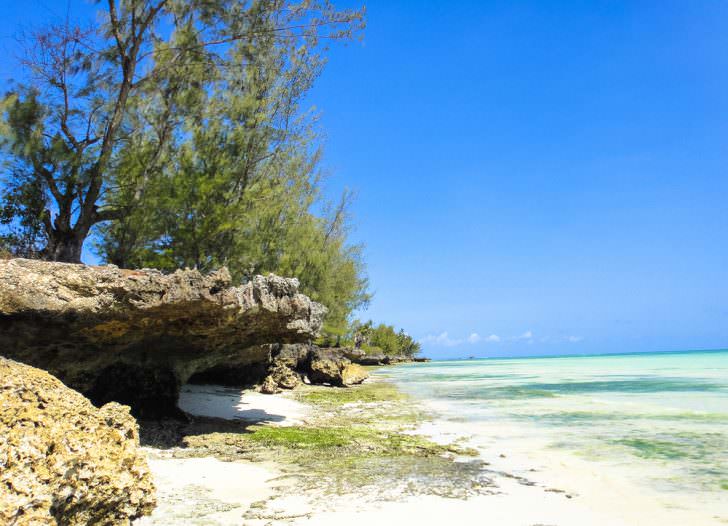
point(362, 358)
point(284, 377)
point(326, 366)
point(376, 358)
point(330, 366)
point(135, 336)
point(63, 461)
point(353, 374)
point(293, 363)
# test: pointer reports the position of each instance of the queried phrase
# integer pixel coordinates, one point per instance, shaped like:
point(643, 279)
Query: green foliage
point(174, 130)
point(174, 127)
point(238, 184)
point(381, 338)
point(24, 201)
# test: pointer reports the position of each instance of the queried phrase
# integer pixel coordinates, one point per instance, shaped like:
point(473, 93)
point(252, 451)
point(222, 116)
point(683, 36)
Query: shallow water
point(658, 420)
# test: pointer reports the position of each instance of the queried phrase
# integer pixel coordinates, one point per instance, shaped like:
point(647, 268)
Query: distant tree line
point(379, 338)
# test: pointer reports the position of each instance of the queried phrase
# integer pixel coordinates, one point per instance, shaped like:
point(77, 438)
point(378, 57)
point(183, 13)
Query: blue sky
point(532, 177)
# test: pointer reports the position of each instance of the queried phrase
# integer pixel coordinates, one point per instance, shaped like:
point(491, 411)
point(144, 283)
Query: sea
point(653, 422)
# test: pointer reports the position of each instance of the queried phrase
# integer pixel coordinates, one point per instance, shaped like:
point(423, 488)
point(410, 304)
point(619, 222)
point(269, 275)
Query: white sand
point(206, 491)
point(210, 492)
point(233, 404)
point(587, 496)
point(520, 507)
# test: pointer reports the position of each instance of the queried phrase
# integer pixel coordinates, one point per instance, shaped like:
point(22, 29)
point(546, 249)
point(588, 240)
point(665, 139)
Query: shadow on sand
point(232, 415)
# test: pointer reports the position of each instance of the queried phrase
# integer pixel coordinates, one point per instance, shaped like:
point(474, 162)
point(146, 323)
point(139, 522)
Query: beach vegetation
point(173, 134)
point(376, 339)
point(390, 341)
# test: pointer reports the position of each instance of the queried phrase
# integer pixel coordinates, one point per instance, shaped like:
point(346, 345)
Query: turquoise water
point(665, 414)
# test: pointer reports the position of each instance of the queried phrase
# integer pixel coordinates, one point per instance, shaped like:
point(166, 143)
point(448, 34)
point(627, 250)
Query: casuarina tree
point(104, 109)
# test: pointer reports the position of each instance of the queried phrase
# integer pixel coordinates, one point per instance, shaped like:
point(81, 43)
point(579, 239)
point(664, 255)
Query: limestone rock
point(379, 358)
point(294, 355)
point(292, 364)
point(329, 365)
point(269, 386)
point(353, 374)
point(284, 377)
point(398, 358)
point(135, 336)
point(353, 354)
point(63, 461)
point(373, 359)
point(373, 356)
point(326, 366)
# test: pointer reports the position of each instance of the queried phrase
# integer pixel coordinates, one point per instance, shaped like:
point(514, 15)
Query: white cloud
point(528, 335)
point(444, 340)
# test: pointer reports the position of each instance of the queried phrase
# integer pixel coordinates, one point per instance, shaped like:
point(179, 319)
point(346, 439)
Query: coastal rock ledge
point(63, 461)
point(135, 336)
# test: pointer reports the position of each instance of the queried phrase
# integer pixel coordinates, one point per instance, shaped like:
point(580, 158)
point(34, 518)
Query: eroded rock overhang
point(135, 336)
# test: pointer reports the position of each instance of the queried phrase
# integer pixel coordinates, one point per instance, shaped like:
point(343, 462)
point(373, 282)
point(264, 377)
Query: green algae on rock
point(330, 399)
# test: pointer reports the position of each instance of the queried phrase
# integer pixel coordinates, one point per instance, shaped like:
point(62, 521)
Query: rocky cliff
point(135, 336)
point(63, 461)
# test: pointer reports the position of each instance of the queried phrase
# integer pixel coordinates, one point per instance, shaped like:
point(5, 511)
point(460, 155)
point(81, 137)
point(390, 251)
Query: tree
point(239, 183)
point(112, 98)
point(382, 338)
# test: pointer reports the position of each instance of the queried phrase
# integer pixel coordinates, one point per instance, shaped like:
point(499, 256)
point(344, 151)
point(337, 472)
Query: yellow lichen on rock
point(62, 460)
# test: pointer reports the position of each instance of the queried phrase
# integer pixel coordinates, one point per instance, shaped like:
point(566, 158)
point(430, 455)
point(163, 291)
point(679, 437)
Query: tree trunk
point(64, 246)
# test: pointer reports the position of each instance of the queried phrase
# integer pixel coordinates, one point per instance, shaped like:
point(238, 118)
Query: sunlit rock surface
point(135, 336)
point(63, 461)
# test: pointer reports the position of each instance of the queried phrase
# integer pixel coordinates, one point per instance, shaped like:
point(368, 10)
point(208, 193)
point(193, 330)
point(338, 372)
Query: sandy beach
point(322, 263)
point(522, 486)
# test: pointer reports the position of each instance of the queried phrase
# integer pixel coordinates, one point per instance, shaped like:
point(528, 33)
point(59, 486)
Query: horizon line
point(577, 355)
